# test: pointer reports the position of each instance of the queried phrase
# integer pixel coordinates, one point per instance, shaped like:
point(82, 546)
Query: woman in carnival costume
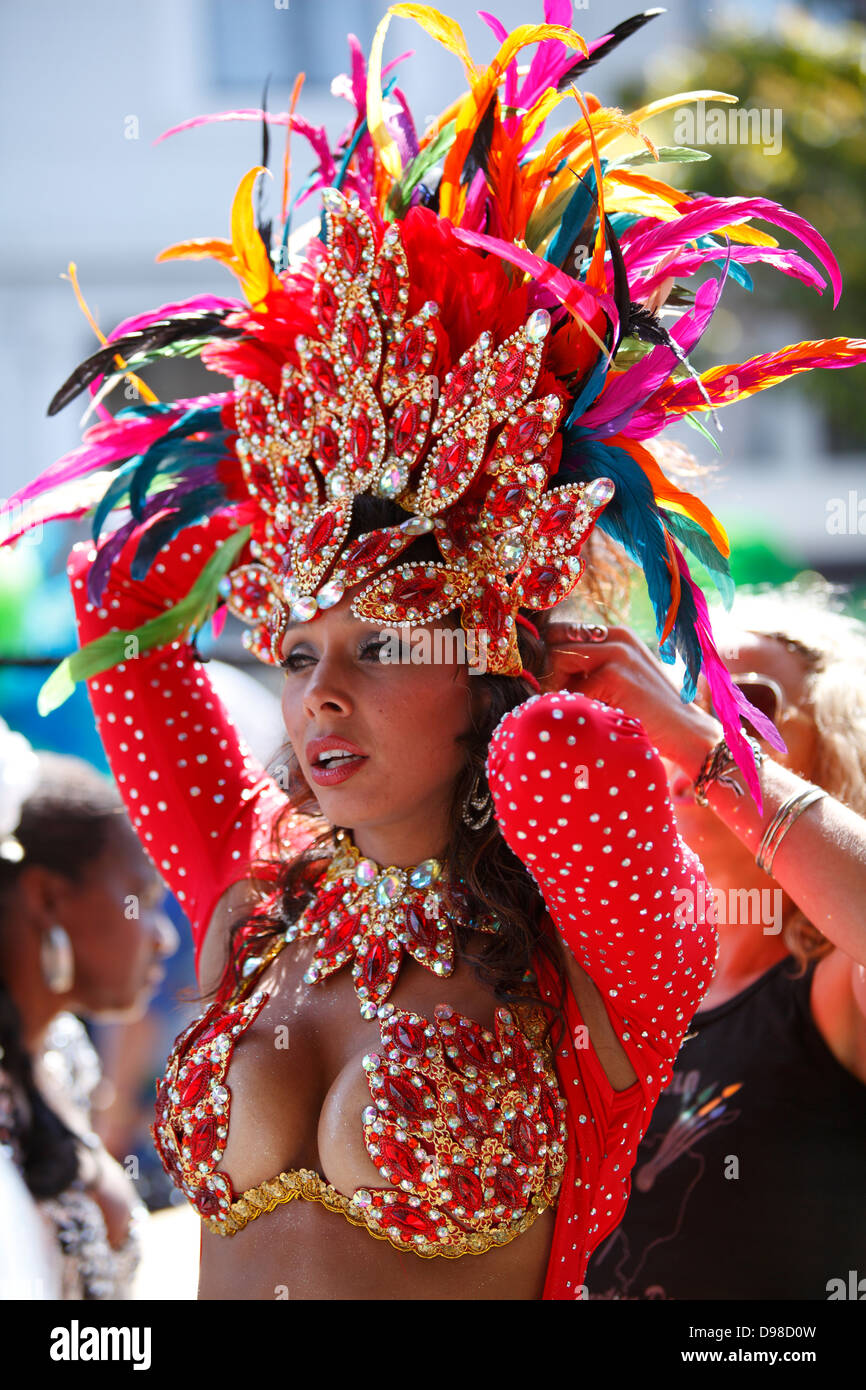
point(449, 981)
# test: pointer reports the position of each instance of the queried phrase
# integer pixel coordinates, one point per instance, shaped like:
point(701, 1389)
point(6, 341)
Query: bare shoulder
point(232, 907)
point(838, 1003)
point(608, 1048)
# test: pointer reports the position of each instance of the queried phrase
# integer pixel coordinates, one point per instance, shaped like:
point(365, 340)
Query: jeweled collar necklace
point(372, 915)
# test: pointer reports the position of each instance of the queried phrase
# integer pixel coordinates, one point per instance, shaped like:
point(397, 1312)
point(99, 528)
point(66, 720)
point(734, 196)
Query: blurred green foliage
point(812, 70)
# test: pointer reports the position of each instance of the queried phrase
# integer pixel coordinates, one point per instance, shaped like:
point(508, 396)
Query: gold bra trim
point(305, 1183)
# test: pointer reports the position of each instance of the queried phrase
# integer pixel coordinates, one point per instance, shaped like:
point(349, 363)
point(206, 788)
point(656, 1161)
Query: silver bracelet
point(781, 823)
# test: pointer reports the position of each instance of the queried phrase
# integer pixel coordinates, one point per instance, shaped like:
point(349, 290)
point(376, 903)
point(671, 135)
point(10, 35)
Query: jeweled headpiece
point(467, 451)
point(475, 333)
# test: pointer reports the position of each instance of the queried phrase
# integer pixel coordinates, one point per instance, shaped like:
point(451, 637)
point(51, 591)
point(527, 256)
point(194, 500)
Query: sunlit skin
point(822, 860)
point(119, 936)
point(729, 863)
point(406, 718)
point(300, 1107)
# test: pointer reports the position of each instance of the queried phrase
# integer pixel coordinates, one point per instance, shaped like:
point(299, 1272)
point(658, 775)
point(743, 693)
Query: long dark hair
point(65, 826)
point(494, 880)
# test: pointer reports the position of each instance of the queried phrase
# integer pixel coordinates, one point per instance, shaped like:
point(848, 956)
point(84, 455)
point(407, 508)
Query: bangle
point(720, 761)
point(781, 823)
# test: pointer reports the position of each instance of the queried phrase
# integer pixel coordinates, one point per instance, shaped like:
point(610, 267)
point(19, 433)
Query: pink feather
point(788, 262)
point(585, 301)
point(704, 215)
point(640, 381)
point(729, 703)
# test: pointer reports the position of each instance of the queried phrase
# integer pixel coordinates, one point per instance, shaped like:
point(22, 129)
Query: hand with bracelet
point(813, 845)
point(781, 1034)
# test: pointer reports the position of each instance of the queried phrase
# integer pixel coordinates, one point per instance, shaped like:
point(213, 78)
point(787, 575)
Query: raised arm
point(581, 798)
point(201, 804)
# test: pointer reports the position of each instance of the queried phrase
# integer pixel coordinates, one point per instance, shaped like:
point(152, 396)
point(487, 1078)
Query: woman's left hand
point(611, 664)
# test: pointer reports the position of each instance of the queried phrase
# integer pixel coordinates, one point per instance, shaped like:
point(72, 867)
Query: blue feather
point(200, 504)
point(695, 539)
point(161, 452)
point(631, 516)
point(582, 200)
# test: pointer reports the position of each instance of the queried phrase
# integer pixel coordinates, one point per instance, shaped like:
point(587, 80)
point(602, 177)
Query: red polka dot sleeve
point(201, 804)
point(581, 798)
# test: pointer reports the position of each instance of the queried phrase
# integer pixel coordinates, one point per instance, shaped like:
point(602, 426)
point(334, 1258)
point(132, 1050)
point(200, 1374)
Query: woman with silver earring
point(68, 945)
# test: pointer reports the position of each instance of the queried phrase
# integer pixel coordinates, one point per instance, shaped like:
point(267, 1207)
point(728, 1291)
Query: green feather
point(667, 154)
point(400, 195)
point(186, 617)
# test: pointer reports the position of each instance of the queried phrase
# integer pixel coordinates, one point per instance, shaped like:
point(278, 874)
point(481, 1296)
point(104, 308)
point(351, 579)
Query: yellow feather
point(255, 272)
point(389, 155)
point(440, 27)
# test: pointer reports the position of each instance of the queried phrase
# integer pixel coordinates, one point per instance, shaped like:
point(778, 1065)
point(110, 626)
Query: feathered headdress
point(475, 334)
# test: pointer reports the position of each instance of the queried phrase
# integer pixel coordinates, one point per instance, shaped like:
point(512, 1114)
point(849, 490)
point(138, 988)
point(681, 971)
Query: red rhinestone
point(410, 350)
point(524, 1139)
point(493, 612)
point(522, 1062)
point(410, 1219)
point(357, 338)
point(323, 375)
point(420, 928)
point(405, 1098)
point(451, 463)
point(326, 447)
point(459, 385)
point(555, 518)
point(207, 1203)
point(253, 416)
point(348, 247)
point(524, 435)
point(542, 585)
point(406, 426)
point(327, 304)
point(293, 406)
point(387, 286)
point(506, 500)
point(194, 1085)
point(507, 1188)
point(474, 1115)
point(467, 1190)
point(400, 1159)
point(338, 938)
point(203, 1140)
point(409, 1037)
point(320, 536)
point(549, 1111)
point(472, 1046)
point(374, 967)
point(414, 588)
point(293, 483)
point(509, 374)
point(361, 436)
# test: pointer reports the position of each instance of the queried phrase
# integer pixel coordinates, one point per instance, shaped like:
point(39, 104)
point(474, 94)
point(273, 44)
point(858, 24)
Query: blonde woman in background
point(750, 1182)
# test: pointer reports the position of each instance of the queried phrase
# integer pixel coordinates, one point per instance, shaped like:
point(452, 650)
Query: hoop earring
point(478, 806)
point(57, 960)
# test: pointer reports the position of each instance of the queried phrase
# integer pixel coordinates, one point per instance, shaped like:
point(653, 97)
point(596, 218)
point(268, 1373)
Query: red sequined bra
point(467, 1128)
point(580, 797)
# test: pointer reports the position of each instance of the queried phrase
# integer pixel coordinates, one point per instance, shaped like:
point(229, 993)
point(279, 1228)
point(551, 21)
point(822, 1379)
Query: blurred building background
point(86, 89)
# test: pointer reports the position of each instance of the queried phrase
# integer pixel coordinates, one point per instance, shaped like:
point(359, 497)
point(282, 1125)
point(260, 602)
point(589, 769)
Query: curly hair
point(806, 616)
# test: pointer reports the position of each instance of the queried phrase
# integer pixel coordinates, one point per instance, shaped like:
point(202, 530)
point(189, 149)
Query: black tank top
point(751, 1180)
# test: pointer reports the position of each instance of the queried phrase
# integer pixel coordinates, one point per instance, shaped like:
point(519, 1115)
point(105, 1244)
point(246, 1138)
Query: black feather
point(617, 35)
point(202, 323)
point(264, 226)
point(479, 150)
point(621, 297)
point(640, 322)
